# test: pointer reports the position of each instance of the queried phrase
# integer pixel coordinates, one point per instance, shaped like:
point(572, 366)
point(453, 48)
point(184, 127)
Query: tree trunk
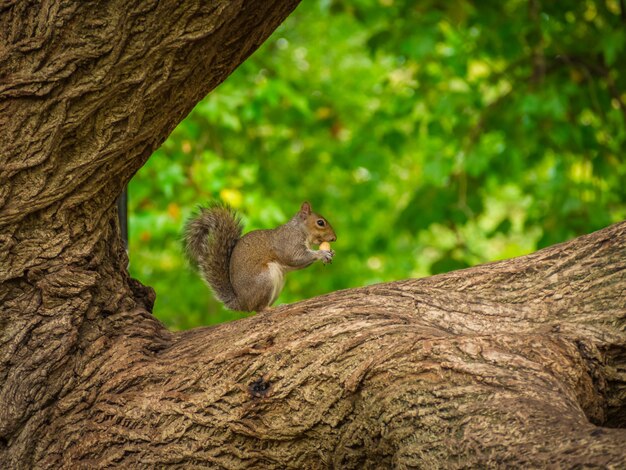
point(518, 363)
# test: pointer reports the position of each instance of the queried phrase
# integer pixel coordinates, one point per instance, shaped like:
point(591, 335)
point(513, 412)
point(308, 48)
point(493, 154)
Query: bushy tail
point(210, 236)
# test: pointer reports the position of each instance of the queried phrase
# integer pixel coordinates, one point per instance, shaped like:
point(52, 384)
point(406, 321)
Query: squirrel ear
point(305, 208)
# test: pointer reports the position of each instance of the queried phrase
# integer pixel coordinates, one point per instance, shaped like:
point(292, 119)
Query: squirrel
point(247, 273)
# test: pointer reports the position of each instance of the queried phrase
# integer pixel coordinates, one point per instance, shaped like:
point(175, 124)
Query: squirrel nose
point(334, 238)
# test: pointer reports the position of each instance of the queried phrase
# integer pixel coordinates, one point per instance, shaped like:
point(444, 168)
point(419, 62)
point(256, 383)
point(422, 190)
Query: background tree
point(434, 136)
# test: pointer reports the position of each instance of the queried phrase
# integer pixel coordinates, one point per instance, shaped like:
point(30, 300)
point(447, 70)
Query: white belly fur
point(277, 278)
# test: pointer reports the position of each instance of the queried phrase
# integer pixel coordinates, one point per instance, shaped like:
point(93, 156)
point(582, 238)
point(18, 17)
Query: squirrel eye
point(320, 222)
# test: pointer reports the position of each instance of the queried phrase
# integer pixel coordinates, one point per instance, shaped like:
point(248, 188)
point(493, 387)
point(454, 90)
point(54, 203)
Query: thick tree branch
point(89, 90)
point(504, 364)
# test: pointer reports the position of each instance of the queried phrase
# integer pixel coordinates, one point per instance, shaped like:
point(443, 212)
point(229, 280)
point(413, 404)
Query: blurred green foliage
point(433, 135)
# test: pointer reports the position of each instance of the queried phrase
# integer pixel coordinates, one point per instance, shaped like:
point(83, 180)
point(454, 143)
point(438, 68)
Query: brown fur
point(210, 237)
point(247, 273)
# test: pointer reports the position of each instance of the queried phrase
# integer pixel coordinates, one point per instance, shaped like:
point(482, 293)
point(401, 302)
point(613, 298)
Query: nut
point(325, 246)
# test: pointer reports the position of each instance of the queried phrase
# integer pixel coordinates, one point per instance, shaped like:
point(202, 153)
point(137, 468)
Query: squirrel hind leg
point(257, 294)
point(259, 304)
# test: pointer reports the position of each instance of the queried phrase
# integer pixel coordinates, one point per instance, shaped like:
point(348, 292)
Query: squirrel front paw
point(326, 256)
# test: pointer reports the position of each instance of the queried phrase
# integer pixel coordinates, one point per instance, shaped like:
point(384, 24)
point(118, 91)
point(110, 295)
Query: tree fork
point(87, 92)
point(520, 362)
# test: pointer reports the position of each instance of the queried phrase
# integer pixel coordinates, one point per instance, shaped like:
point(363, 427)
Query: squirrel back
point(210, 236)
point(247, 273)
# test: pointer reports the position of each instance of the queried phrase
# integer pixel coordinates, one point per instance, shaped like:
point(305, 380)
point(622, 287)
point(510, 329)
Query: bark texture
point(517, 363)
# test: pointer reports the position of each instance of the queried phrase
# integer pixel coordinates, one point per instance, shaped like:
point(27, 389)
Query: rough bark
point(516, 363)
